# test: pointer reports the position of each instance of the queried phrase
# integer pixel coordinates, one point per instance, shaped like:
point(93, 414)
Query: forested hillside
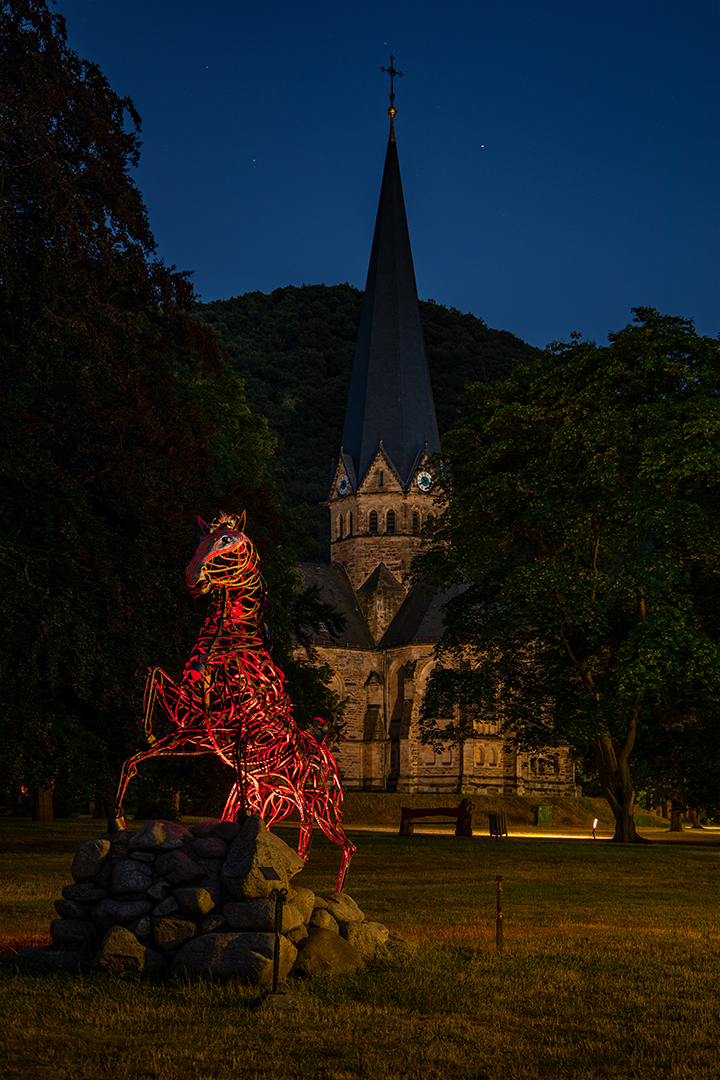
point(295, 348)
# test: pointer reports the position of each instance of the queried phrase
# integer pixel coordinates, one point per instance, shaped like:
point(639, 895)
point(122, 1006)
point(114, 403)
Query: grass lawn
point(611, 968)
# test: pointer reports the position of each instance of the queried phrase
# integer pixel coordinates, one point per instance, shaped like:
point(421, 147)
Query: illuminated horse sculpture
point(231, 702)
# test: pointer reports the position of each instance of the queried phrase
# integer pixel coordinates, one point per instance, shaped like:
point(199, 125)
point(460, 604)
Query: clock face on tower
point(424, 480)
point(343, 486)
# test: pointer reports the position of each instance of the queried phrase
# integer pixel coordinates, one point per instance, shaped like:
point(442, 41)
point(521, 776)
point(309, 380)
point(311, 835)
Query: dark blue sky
point(560, 158)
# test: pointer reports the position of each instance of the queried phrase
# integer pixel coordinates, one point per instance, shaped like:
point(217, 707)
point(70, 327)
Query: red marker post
point(499, 925)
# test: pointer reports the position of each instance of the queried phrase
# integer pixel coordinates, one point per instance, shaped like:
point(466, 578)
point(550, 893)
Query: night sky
point(560, 158)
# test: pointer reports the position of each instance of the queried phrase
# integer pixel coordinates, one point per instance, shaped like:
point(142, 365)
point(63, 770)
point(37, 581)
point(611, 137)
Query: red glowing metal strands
point(231, 701)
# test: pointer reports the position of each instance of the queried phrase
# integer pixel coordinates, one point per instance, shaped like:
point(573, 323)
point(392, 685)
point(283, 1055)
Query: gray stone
point(211, 847)
point(120, 951)
point(297, 935)
point(171, 934)
point(89, 859)
point(68, 909)
point(260, 915)
point(130, 877)
point(227, 830)
point(203, 828)
point(195, 903)
point(119, 912)
point(159, 836)
point(118, 846)
point(143, 856)
point(245, 956)
point(169, 906)
point(178, 868)
point(212, 924)
point(86, 893)
point(72, 932)
point(258, 862)
point(159, 891)
point(367, 937)
point(144, 927)
point(324, 920)
point(343, 908)
point(304, 900)
point(324, 953)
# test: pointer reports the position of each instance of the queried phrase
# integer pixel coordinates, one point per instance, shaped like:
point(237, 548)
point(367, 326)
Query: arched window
point(373, 523)
point(416, 523)
point(339, 527)
point(479, 754)
point(350, 524)
point(390, 523)
point(493, 756)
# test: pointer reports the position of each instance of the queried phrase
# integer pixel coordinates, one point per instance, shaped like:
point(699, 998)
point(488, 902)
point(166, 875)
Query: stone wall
point(201, 902)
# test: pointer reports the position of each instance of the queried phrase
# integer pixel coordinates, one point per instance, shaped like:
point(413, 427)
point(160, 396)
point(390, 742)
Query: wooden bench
point(461, 813)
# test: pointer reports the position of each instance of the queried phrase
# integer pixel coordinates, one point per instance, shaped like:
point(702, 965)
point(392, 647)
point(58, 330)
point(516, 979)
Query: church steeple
point(390, 396)
point(381, 493)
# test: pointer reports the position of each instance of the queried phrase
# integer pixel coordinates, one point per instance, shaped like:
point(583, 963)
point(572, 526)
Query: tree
point(581, 517)
point(120, 423)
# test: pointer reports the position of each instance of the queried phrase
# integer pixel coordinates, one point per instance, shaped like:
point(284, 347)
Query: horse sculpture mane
point(231, 702)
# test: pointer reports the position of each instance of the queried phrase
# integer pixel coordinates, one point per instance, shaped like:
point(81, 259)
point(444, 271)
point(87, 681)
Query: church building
point(381, 497)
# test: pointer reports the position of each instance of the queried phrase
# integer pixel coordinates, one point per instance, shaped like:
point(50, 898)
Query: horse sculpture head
point(224, 556)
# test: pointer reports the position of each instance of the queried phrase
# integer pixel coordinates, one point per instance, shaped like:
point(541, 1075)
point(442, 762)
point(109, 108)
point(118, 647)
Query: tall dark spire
point(390, 396)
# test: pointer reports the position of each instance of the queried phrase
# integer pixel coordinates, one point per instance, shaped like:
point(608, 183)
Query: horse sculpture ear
point(241, 523)
point(204, 527)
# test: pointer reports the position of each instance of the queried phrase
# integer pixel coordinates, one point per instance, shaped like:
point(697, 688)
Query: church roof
point(335, 589)
point(390, 395)
point(419, 618)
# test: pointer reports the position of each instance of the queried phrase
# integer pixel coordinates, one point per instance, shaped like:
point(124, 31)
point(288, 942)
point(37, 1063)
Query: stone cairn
point(200, 902)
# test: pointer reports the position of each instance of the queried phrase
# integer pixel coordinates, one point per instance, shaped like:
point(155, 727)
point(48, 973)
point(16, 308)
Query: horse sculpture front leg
point(158, 684)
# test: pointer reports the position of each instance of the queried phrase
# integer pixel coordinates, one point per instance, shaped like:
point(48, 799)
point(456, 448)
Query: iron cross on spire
point(392, 72)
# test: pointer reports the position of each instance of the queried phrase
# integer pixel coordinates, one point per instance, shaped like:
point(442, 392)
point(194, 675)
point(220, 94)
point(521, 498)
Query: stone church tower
point(381, 496)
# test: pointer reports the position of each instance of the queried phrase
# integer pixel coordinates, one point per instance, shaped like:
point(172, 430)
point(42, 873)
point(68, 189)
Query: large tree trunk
point(617, 786)
point(676, 812)
point(43, 805)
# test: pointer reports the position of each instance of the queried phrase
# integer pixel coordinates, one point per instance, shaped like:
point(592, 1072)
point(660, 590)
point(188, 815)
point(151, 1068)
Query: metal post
point(499, 924)
point(279, 896)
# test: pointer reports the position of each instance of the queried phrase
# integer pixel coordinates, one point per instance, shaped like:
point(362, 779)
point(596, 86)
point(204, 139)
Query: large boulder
point(247, 956)
point(304, 901)
point(171, 934)
point(159, 836)
point(89, 859)
point(343, 908)
point(120, 912)
point(260, 915)
point(178, 868)
point(195, 903)
point(120, 951)
point(367, 937)
point(324, 920)
point(324, 953)
point(209, 847)
point(130, 876)
point(258, 862)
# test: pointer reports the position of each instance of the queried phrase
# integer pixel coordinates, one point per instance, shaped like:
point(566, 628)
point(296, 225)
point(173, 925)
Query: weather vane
point(392, 72)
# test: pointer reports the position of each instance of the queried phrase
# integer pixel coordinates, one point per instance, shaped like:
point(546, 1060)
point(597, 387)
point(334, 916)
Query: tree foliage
point(582, 517)
point(120, 423)
point(295, 348)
